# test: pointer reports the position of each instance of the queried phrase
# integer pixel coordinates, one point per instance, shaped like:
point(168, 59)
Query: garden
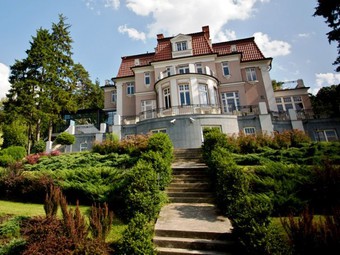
point(103, 201)
point(281, 192)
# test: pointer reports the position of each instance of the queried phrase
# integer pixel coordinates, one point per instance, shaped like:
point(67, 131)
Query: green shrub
point(161, 143)
point(10, 228)
point(16, 152)
point(310, 236)
point(282, 183)
point(161, 166)
point(138, 194)
point(14, 247)
point(247, 143)
point(298, 138)
point(88, 185)
point(39, 146)
point(25, 188)
point(248, 159)
point(106, 147)
point(65, 138)
point(250, 221)
point(323, 188)
point(14, 134)
point(137, 238)
point(229, 181)
point(12, 154)
point(213, 138)
point(6, 160)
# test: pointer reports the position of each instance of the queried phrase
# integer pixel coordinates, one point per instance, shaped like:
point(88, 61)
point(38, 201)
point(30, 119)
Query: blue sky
point(105, 30)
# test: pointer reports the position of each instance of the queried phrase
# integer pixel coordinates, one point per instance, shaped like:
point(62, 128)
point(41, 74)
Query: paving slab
point(200, 217)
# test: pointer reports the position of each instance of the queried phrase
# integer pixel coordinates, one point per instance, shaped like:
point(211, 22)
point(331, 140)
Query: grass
point(30, 210)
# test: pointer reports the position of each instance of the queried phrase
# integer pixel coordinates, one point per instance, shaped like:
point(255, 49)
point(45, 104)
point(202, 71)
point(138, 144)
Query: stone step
point(187, 189)
point(226, 236)
point(190, 171)
point(197, 185)
point(192, 243)
point(189, 194)
point(188, 179)
point(178, 251)
point(191, 200)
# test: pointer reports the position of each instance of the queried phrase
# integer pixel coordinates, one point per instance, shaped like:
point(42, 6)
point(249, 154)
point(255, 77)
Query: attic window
point(181, 46)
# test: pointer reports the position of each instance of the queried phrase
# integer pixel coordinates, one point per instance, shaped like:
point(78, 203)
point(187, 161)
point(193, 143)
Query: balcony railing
point(188, 110)
point(279, 115)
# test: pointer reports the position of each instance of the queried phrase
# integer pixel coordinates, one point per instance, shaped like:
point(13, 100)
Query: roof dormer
point(181, 46)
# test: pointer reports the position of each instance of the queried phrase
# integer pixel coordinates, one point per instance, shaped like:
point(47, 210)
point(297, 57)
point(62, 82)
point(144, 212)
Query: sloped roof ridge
point(148, 54)
point(236, 41)
point(171, 37)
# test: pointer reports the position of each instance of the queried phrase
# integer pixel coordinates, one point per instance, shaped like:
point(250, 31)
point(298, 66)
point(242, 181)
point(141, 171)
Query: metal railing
point(189, 110)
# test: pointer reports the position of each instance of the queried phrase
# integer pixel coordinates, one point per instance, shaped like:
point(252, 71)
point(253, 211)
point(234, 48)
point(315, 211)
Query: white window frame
point(181, 46)
point(204, 96)
point(249, 130)
point(199, 68)
point(251, 74)
point(183, 69)
point(167, 98)
point(158, 130)
point(83, 146)
point(225, 69)
point(184, 94)
point(235, 104)
point(147, 78)
point(130, 88)
point(148, 107)
point(326, 137)
point(114, 96)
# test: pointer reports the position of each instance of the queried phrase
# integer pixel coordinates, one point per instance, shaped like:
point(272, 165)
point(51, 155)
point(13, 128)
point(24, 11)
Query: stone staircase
point(190, 223)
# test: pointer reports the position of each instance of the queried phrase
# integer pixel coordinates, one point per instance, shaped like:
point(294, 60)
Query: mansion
point(190, 83)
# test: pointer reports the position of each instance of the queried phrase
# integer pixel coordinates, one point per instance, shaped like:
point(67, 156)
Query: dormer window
point(181, 46)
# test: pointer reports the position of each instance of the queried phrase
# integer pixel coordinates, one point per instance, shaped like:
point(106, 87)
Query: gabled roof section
point(136, 60)
point(248, 48)
point(201, 45)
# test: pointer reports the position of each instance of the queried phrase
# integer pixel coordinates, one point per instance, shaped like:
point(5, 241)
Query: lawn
point(31, 210)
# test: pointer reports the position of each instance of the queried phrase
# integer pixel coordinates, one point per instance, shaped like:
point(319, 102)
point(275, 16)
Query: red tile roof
point(247, 47)
point(200, 46)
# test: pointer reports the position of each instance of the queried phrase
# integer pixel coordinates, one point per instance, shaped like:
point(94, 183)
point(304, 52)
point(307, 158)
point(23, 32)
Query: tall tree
point(89, 95)
point(327, 101)
point(330, 10)
point(44, 84)
point(59, 90)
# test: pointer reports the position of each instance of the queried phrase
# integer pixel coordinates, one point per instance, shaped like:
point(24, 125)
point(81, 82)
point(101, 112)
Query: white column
point(268, 88)
point(119, 98)
point(296, 124)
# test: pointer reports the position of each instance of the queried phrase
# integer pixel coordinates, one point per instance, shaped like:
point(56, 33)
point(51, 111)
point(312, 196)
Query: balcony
point(249, 110)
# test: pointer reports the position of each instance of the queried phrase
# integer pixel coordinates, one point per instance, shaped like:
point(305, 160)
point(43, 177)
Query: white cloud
point(227, 35)
point(271, 48)
point(178, 16)
point(324, 80)
point(4, 83)
point(304, 35)
point(132, 33)
point(114, 4)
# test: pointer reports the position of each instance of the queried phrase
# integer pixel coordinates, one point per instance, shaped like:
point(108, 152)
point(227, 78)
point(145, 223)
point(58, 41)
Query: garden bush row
point(251, 189)
point(131, 184)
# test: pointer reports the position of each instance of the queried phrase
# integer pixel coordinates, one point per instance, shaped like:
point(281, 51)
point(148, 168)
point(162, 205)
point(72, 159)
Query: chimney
point(300, 84)
point(205, 29)
point(160, 36)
